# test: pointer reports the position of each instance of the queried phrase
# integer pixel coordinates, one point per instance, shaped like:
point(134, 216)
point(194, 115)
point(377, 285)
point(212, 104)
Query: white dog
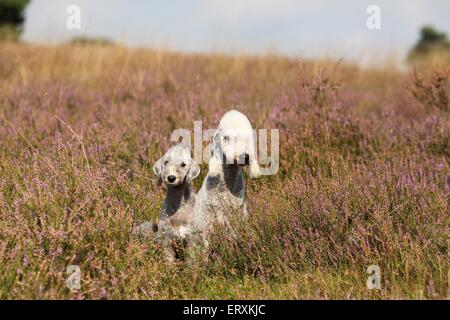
point(223, 190)
point(235, 139)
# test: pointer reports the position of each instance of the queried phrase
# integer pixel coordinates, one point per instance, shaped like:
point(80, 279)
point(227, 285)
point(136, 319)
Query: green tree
point(12, 18)
point(430, 40)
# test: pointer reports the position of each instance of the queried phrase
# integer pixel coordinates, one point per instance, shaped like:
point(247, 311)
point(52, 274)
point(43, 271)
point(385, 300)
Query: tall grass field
point(364, 175)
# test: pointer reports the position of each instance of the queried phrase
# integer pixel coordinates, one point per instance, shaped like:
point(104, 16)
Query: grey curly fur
point(176, 213)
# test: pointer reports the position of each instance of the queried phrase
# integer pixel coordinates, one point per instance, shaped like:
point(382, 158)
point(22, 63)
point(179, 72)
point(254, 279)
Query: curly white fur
point(223, 190)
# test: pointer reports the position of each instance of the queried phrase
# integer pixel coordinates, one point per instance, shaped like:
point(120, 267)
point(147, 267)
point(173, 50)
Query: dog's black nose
point(171, 178)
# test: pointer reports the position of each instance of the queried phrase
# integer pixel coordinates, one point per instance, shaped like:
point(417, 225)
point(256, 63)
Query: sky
point(308, 28)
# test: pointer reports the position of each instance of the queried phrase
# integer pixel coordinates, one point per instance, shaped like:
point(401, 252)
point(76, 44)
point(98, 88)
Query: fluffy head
point(234, 143)
point(176, 166)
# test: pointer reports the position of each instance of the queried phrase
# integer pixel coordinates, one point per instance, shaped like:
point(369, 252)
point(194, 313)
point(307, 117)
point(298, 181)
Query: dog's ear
point(157, 169)
point(194, 170)
point(217, 144)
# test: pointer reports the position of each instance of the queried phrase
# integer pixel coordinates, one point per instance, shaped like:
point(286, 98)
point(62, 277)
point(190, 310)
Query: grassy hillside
point(364, 175)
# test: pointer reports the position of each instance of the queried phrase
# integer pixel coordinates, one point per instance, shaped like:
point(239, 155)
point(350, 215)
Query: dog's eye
point(166, 162)
point(183, 164)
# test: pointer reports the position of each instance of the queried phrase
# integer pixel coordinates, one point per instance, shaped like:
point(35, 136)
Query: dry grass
point(364, 175)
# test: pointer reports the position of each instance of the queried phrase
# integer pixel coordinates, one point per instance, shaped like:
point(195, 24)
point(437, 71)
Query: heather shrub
point(431, 93)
